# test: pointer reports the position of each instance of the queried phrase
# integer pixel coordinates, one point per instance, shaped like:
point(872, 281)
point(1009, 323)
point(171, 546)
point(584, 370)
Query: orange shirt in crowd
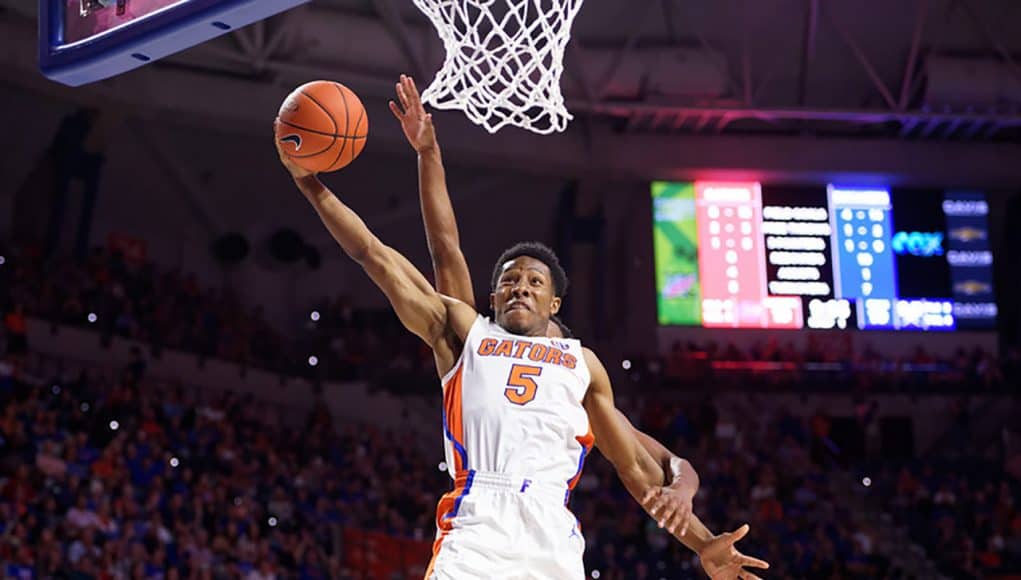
point(15, 323)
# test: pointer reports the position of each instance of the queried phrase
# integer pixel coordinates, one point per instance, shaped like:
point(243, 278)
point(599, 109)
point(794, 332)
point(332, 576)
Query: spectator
point(17, 331)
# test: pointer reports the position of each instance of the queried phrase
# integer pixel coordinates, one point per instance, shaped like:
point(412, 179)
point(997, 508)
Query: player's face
point(523, 300)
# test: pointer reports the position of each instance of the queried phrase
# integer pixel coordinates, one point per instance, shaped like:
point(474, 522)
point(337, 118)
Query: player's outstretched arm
point(449, 265)
point(420, 308)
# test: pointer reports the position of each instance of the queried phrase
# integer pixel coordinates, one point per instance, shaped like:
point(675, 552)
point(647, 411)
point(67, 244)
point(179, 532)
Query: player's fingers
point(412, 93)
point(649, 495)
point(276, 142)
point(736, 535)
point(402, 96)
point(754, 562)
point(652, 505)
point(680, 521)
point(396, 111)
point(748, 576)
point(685, 520)
point(667, 513)
point(658, 505)
point(663, 516)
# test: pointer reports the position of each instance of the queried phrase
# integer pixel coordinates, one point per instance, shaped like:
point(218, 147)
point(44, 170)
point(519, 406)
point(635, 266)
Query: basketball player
point(520, 412)
point(670, 504)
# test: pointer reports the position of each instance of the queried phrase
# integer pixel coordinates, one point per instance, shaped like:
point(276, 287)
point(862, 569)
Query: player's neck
point(527, 333)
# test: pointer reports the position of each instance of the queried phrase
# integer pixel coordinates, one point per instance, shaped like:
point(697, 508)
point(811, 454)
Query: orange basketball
point(322, 126)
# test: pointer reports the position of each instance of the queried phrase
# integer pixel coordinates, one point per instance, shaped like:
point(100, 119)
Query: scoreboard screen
point(748, 255)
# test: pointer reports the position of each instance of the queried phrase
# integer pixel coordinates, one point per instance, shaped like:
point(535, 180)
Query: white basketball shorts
point(502, 527)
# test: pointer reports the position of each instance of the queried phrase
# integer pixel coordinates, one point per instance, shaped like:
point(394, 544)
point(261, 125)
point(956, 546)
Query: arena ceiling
point(739, 71)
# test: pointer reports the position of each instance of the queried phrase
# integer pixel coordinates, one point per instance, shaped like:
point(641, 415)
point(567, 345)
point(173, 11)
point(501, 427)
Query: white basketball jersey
point(513, 404)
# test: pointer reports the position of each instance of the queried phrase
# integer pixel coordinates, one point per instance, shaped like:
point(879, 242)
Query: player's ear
point(554, 306)
point(492, 302)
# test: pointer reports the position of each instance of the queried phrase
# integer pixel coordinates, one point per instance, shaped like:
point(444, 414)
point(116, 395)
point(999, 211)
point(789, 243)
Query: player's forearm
point(437, 211)
point(343, 223)
point(640, 473)
point(697, 535)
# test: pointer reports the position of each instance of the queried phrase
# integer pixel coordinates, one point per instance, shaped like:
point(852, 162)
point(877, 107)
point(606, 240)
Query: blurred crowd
point(106, 475)
point(827, 364)
point(118, 297)
point(966, 514)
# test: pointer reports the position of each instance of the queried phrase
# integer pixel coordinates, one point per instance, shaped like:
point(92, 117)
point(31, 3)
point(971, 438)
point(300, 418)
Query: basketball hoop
point(504, 61)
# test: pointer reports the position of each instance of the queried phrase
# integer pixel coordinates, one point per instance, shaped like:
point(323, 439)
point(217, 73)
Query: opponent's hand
point(721, 560)
point(416, 123)
point(296, 171)
point(670, 506)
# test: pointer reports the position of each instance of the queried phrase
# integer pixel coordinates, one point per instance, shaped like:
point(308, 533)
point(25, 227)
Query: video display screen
point(749, 255)
point(85, 19)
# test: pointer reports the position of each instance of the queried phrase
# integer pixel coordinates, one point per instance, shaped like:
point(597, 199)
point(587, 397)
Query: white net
point(504, 61)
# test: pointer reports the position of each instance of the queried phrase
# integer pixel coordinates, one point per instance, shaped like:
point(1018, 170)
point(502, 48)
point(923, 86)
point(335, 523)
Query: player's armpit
point(637, 469)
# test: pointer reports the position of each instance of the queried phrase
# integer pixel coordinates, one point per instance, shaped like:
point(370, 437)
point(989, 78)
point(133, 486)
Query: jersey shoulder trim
point(464, 349)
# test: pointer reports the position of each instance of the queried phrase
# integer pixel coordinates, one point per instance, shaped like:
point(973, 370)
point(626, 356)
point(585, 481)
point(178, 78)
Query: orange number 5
point(520, 385)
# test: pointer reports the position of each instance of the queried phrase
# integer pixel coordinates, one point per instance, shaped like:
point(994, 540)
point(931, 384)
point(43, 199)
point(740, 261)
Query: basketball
point(322, 126)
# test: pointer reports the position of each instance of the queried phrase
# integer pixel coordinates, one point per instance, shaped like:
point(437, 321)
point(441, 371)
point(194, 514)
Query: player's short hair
point(540, 252)
point(564, 329)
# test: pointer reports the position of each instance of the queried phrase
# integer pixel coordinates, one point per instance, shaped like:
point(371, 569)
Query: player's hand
point(417, 124)
point(721, 560)
point(670, 506)
point(296, 171)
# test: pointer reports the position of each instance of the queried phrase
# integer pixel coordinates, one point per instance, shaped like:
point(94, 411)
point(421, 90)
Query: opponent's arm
point(419, 307)
point(449, 264)
point(671, 504)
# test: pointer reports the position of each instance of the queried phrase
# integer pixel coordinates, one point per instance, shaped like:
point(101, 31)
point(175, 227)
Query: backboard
point(82, 41)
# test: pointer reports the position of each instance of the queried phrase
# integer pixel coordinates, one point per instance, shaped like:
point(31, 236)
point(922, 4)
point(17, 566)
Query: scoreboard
point(748, 255)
